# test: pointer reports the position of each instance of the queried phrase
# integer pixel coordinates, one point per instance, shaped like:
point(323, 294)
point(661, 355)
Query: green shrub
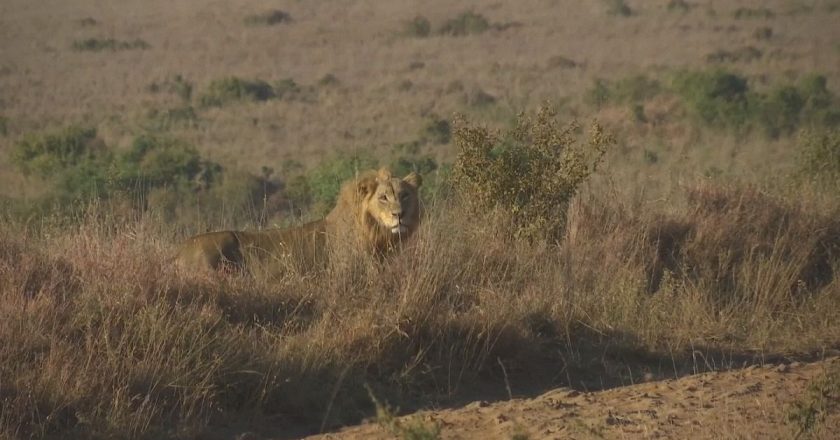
point(162, 120)
point(100, 44)
point(436, 130)
point(468, 23)
point(678, 6)
point(233, 89)
point(820, 108)
point(288, 90)
point(599, 94)
point(742, 13)
point(530, 173)
point(324, 181)
point(629, 90)
point(50, 153)
point(418, 26)
point(779, 110)
point(157, 161)
point(328, 80)
point(477, 97)
point(618, 7)
point(763, 33)
point(745, 54)
point(177, 85)
point(716, 97)
point(819, 158)
point(269, 18)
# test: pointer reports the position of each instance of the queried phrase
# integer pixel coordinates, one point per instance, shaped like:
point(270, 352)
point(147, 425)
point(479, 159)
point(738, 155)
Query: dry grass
point(100, 338)
point(103, 339)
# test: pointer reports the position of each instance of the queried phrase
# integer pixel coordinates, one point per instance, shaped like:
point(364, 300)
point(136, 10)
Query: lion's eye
point(383, 198)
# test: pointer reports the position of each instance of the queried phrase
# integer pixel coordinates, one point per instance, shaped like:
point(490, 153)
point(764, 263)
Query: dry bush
point(102, 339)
point(529, 173)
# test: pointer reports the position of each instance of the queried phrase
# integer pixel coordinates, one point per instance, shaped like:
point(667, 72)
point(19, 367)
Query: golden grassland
point(103, 338)
point(689, 243)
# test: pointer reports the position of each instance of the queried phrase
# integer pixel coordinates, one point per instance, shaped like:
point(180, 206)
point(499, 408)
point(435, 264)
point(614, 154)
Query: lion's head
point(384, 209)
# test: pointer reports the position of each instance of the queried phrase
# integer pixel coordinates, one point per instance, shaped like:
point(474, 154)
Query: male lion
point(374, 212)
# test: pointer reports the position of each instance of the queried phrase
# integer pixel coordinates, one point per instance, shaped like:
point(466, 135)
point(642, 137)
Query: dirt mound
point(771, 401)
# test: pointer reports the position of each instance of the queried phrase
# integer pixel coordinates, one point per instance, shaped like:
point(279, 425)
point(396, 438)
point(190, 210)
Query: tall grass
point(101, 337)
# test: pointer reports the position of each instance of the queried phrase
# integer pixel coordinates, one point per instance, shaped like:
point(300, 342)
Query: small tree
point(530, 173)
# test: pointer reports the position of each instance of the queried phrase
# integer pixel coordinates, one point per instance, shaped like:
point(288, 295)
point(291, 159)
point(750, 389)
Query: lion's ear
point(413, 179)
point(366, 185)
point(383, 175)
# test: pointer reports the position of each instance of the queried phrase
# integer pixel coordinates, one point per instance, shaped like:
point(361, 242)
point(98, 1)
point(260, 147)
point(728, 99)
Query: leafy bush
point(820, 108)
point(678, 6)
point(328, 80)
point(51, 153)
point(232, 89)
point(529, 173)
point(418, 26)
point(618, 7)
point(745, 54)
point(269, 18)
point(627, 90)
point(716, 98)
point(100, 44)
point(162, 120)
point(177, 85)
point(780, 110)
point(436, 131)
point(289, 90)
point(155, 161)
point(819, 158)
point(724, 99)
point(742, 13)
point(763, 33)
point(324, 181)
point(468, 23)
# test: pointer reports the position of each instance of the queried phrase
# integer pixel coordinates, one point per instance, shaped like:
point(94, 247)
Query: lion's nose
point(397, 215)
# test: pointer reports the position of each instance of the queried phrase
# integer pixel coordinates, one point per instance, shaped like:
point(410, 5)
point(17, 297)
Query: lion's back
point(210, 250)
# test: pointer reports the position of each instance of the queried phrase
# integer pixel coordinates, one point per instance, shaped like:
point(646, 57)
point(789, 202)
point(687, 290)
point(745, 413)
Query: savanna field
point(617, 194)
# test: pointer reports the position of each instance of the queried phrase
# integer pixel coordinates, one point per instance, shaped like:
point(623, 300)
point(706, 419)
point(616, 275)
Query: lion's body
point(374, 213)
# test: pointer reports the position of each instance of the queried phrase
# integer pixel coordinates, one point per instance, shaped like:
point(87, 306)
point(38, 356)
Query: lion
point(375, 213)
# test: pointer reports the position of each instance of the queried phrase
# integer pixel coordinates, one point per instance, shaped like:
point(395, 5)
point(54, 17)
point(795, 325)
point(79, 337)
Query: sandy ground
point(748, 403)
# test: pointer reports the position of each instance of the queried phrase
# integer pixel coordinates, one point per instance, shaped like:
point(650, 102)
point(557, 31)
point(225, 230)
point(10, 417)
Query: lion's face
point(392, 202)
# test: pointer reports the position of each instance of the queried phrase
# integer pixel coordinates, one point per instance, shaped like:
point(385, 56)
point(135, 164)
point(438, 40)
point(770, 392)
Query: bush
point(162, 120)
point(324, 181)
point(418, 26)
point(779, 110)
point(53, 152)
point(745, 54)
point(678, 6)
point(99, 44)
point(627, 90)
point(269, 18)
point(529, 173)
point(177, 85)
point(232, 89)
point(724, 99)
point(716, 98)
point(468, 23)
point(819, 158)
point(156, 161)
point(742, 13)
point(618, 7)
point(436, 131)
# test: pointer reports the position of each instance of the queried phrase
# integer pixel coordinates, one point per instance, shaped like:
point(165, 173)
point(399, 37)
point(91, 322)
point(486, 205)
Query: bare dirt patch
point(755, 402)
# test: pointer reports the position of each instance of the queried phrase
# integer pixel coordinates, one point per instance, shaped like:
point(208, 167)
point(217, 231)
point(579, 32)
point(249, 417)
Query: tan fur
point(375, 213)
